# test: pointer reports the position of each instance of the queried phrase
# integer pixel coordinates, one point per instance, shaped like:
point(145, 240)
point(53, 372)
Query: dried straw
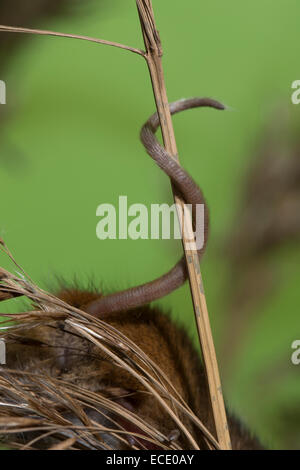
point(33, 402)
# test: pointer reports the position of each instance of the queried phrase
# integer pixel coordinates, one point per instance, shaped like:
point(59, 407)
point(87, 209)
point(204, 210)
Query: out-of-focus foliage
point(71, 143)
point(20, 13)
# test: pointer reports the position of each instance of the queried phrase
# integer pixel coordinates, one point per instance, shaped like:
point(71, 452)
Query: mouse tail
point(191, 193)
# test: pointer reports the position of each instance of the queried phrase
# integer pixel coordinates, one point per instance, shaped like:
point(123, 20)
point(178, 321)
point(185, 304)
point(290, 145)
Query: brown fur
point(165, 343)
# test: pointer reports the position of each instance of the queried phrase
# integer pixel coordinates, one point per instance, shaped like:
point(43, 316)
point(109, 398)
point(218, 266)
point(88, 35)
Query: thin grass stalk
point(154, 59)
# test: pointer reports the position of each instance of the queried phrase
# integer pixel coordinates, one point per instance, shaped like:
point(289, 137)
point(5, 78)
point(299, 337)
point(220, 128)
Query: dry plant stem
point(13, 29)
point(8, 296)
point(153, 57)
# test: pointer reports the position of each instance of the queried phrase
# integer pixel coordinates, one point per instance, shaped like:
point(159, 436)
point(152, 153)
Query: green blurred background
point(69, 142)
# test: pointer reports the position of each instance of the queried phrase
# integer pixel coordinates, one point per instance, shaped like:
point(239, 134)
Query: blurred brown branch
point(18, 12)
point(268, 219)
